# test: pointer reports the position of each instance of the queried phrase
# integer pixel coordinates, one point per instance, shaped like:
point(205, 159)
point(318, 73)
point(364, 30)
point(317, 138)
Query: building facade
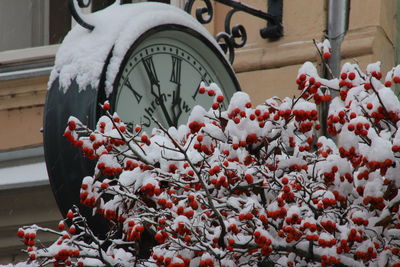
point(30, 33)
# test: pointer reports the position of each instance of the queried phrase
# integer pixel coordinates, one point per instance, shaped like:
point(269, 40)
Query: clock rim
point(165, 27)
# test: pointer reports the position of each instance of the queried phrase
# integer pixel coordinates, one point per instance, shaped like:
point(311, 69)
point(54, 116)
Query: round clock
point(149, 62)
point(162, 72)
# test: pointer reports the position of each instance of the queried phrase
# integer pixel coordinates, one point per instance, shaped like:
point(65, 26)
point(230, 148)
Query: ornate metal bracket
point(233, 37)
point(75, 14)
point(228, 40)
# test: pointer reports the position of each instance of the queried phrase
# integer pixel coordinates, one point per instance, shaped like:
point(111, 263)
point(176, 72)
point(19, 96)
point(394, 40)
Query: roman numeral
point(185, 107)
point(150, 69)
point(134, 92)
point(176, 70)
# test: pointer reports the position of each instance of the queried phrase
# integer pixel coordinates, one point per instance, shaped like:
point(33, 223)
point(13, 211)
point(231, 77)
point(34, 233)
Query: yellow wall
point(21, 112)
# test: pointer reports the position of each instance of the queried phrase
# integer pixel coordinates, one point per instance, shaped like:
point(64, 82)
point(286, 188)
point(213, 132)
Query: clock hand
point(176, 105)
point(160, 101)
point(155, 86)
point(176, 78)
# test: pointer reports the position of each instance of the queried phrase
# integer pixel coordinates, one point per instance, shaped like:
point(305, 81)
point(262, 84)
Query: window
point(32, 23)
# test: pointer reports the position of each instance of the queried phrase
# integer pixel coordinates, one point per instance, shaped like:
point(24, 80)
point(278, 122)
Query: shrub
point(247, 186)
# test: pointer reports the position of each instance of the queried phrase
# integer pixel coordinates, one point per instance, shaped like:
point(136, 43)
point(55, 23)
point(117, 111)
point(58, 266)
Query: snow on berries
point(325, 49)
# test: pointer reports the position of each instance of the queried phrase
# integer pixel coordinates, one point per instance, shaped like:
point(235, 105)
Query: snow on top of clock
point(82, 54)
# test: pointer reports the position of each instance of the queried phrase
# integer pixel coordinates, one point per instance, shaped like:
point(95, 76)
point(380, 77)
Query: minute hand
point(176, 78)
point(176, 104)
point(160, 100)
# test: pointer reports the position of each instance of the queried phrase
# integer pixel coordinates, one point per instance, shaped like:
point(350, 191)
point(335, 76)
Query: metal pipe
point(338, 21)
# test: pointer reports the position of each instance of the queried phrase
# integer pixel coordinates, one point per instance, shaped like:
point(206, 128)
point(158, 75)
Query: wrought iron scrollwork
point(201, 11)
point(236, 36)
point(75, 13)
point(228, 39)
point(233, 37)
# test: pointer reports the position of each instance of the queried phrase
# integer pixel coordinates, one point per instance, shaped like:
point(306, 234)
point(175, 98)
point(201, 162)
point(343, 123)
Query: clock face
point(161, 75)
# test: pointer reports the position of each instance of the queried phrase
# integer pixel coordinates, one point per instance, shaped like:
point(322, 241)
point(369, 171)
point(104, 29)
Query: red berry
point(71, 125)
point(350, 127)
point(172, 168)
point(215, 106)
point(369, 106)
point(286, 189)
point(61, 226)
point(343, 76)
point(106, 106)
point(202, 90)
point(249, 178)
point(70, 214)
point(242, 216)
point(388, 83)
point(211, 92)
point(92, 137)
point(20, 233)
point(72, 230)
point(352, 76)
point(327, 55)
point(144, 138)
point(342, 83)
point(220, 98)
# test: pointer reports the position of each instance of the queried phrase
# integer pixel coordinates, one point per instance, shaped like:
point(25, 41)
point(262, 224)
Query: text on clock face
point(149, 110)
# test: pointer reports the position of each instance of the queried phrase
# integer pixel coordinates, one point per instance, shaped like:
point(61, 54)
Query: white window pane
point(23, 23)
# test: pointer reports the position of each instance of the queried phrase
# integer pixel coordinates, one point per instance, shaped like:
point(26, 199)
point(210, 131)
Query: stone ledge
point(22, 56)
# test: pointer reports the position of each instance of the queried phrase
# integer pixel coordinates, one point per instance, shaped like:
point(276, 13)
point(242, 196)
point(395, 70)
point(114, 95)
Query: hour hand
point(176, 78)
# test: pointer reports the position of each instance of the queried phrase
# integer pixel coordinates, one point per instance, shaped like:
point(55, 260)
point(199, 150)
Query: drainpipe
point(338, 20)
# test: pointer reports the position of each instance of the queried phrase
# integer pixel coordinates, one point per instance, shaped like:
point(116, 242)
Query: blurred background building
point(30, 33)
